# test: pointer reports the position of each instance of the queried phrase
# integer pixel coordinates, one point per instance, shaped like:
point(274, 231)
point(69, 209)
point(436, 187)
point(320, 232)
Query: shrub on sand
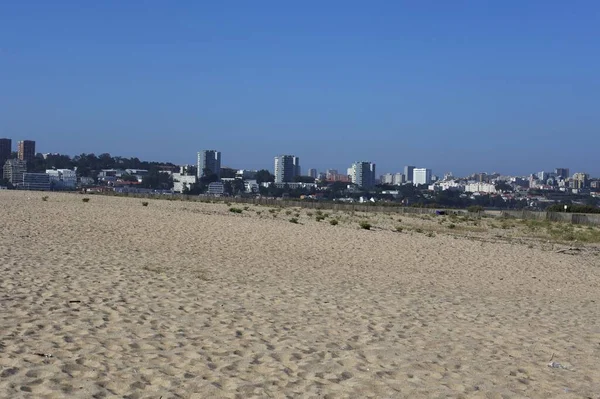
point(365, 225)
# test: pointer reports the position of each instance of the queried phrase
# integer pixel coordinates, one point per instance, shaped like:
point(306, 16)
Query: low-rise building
point(86, 181)
point(290, 185)
point(246, 174)
point(62, 179)
point(182, 182)
point(251, 186)
point(35, 181)
point(387, 178)
point(216, 188)
point(443, 185)
point(479, 187)
point(104, 174)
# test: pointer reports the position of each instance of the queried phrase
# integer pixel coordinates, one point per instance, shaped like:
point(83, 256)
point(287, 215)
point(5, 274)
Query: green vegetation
point(562, 231)
point(236, 210)
point(451, 226)
point(319, 218)
point(365, 225)
point(333, 222)
point(294, 220)
point(145, 203)
point(85, 199)
point(399, 229)
point(45, 198)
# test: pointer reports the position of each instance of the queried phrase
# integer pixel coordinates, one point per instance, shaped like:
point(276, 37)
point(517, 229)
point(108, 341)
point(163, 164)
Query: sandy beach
point(189, 300)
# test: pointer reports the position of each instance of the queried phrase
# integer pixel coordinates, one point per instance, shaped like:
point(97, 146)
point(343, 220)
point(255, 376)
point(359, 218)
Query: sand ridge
point(183, 299)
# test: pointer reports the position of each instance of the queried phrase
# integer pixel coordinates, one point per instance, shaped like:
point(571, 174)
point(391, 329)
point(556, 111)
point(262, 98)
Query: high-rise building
point(313, 173)
point(14, 170)
point(363, 174)
point(421, 176)
point(5, 151)
point(26, 150)
point(562, 173)
point(580, 180)
point(543, 176)
point(350, 173)
point(286, 168)
point(209, 161)
point(408, 173)
point(398, 179)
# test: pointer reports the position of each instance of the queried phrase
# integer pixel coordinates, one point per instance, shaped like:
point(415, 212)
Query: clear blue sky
point(462, 86)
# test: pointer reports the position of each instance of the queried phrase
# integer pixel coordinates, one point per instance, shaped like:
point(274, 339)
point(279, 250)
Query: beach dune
point(182, 299)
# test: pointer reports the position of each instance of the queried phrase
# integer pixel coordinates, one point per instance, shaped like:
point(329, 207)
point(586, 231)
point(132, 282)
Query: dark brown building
point(5, 151)
point(26, 150)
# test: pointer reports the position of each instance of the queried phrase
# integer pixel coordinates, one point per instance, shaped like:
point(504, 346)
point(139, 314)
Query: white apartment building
point(286, 168)
point(181, 182)
point(479, 187)
point(387, 178)
point(350, 173)
point(421, 176)
point(363, 174)
point(399, 178)
point(444, 185)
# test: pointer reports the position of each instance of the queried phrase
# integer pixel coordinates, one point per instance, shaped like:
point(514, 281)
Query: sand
point(183, 299)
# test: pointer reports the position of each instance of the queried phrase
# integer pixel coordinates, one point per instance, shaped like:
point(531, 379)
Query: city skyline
point(460, 87)
point(404, 170)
